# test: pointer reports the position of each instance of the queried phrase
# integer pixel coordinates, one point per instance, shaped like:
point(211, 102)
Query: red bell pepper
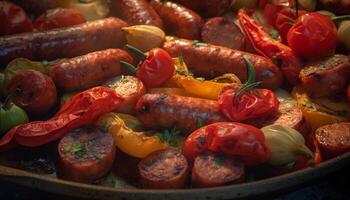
point(83, 109)
point(229, 138)
point(155, 69)
point(239, 103)
point(268, 47)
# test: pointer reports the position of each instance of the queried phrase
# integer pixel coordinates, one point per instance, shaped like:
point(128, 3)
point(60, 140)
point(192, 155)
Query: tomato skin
point(250, 104)
point(313, 34)
point(156, 69)
point(229, 138)
point(13, 19)
point(58, 17)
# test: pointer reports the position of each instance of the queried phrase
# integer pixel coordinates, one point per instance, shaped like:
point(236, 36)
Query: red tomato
point(313, 34)
point(229, 138)
point(250, 104)
point(156, 69)
point(282, 18)
point(58, 17)
point(13, 19)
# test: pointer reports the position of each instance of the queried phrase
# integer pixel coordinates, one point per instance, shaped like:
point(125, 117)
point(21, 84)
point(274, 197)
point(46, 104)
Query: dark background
point(332, 187)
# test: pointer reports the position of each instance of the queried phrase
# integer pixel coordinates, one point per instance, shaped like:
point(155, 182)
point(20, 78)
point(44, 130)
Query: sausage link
point(63, 42)
point(179, 20)
point(160, 111)
point(88, 70)
point(207, 8)
point(210, 61)
point(136, 12)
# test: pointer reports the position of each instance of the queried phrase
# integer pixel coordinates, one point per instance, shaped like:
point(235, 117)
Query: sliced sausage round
point(223, 32)
point(334, 139)
point(86, 154)
point(33, 91)
point(178, 19)
point(326, 77)
point(164, 169)
point(130, 88)
point(210, 170)
point(88, 70)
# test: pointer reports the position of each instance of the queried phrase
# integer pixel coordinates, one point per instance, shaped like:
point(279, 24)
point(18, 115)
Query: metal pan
point(265, 186)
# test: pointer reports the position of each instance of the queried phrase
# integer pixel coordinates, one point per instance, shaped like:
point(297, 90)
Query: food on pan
point(164, 95)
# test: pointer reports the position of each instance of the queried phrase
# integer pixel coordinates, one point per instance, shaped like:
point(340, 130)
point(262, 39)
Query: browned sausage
point(179, 20)
point(63, 42)
point(210, 170)
point(88, 70)
point(334, 139)
point(210, 61)
point(339, 7)
point(34, 92)
point(292, 117)
point(164, 169)
point(130, 88)
point(326, 77)
point(161, 111)
point(136, 12)
point(85, 154)
point(207, 8)
point(223, 32)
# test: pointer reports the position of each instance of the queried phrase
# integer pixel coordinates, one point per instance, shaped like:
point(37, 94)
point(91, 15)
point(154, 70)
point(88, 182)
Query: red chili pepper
point(229, 138)
point(58, 17)
point(13, 19)
point(268, 47)
point(82, 109)
point(239, 103)
point(313, 35)
point(155, 69)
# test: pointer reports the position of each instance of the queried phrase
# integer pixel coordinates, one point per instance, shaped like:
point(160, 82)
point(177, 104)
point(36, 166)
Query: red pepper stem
point(340, 18)
point(130, 67)
point(137, 52)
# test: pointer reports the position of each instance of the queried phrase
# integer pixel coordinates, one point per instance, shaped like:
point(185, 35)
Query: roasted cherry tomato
point(282, 18)
point(13, 19)
point(58, 17)
point(229, 138)
point(155, 69)
point(241, 102)
point(313, 35)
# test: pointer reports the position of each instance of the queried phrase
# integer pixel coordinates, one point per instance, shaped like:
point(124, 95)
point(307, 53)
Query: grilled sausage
point(210, 170)
point(63, 42)
point(326, 77)
point(130, 88)
point(210, 61)
point(207, 8)
point(34, 92)
point(85, 154)
point(160, 111)
point(333, 139)
point(179, 20)
point(223, 32)
point(164, 169)
point(136, 12)
point(88, 70)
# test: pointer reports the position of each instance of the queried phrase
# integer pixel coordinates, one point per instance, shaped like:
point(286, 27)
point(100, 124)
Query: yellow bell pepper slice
point(321, 111)
point(135, 144)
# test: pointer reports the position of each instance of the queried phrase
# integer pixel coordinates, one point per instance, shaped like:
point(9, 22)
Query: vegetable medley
point(233, 89)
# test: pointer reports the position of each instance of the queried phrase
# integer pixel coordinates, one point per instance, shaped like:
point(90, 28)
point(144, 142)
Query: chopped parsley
point(105, 128)
point(95, 155)
point(219, 160)
point(200, 123)
point(169, 136)
point(78, 148)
